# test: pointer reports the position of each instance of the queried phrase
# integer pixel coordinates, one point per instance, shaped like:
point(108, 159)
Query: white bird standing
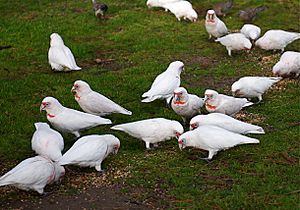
point(276, 39)
point(251, 31)
point(214, 26)
point(215, 102)
point(182, 9)
point(60, 56)
point(225, 122)
point(152, 130)
point(235, 41)
point(289, 63)
point(186, 105)
point(47, 142)
point(160, 3)
point(90, 151)
point(252, 87)
point(213, 139)
point(33, 174)
point(69, 120)
point(165, 83)
point(93, 102)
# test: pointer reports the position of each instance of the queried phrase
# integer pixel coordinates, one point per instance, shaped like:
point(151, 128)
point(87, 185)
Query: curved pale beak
point(43, 106)
point(193, 126)
point(177, 135)
point(73, 90)
point(180, 144)
point(116, 149)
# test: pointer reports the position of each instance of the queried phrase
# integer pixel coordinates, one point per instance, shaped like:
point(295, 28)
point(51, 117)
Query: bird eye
point(47, 104)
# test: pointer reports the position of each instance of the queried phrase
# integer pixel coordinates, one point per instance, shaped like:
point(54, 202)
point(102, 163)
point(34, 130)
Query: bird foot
point(208, 160)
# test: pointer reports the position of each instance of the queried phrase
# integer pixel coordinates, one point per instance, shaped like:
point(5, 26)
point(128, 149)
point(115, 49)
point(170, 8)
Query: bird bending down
point(60, 56)
point(182, 9)
point(152, 131)
point(93, 102)
point(69, 120)
point(252, 87)
point(213, 139)
point(289, 63)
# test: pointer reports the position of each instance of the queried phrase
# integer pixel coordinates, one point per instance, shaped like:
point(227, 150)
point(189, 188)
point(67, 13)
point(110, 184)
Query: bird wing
point(59, 56)
point(70, 57)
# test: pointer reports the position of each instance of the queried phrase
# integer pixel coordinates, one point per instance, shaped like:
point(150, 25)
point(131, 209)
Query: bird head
point(236, 89)
point(211, 16)
point(180, 95)
point(194, 123)
point(182, 142)
point(56, 40)
point(51, 105)
point(59, 172)
point(80, 88)
point(247, 44)
point(176, 66)
point(115, 144)
point(177, 129)
point(210, 95)
point(152, 3)
point(193, 16)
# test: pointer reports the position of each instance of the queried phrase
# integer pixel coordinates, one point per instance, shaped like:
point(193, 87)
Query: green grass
point(142, 42)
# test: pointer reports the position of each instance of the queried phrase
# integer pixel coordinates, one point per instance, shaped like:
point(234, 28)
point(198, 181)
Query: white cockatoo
point(93, 102)
point(160, 3)
point(186, 105)
point(252, 87)
point(69, 120)
point(152, 130)
point(182, 9)
point(276, 39)
point(215, 102)
point(213, 139)
point(33, 174)
point(226, 122)
point(165, 83)
point(90, 151)
point(47, 142)
point(235, 41)
point(289, 63)
point(214, 26)
point(60, 56)
point(251, 31)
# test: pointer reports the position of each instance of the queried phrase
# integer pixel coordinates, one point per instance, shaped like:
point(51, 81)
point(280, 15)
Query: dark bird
point(222, 8)
point(249, 14)
point(99, 9)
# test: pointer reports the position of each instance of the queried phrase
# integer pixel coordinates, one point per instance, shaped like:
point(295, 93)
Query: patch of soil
point(250, 117)
point(203, 62)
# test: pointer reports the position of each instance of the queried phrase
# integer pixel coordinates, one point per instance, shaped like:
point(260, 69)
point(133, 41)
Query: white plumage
point(33, 174)
point(251, 87)
point(225, 122)
point(90, 151)
point(186, 105)
point(213, 139)
point(93, 102)
point(152, 130)
point(276, 39)
point(165, 83)
point(60, 56)
point(214, 26)
point(69, 120)
point(47, 142)
point(160, 3)
point(251, 31)
point(235, 41)
point(289, 63)
point(182, 9)
point(215, 102)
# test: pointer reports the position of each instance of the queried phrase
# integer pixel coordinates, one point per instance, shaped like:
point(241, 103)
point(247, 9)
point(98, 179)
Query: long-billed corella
point(47, 142)
point(252, 87)
point(33, 174)
point(165, 83)
point(213, 139)
point(60, 56)
point(95, 103)
point(69, 120)
point(225, 122)
point(288, 64)
point(251, 31)
point(235, 41)
point(160, 3)
point(186, 105)
point(214, 26)
point(182, 9)
point(276, 39)
point(90, 151)
point(152, 131)
point(215, 102)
